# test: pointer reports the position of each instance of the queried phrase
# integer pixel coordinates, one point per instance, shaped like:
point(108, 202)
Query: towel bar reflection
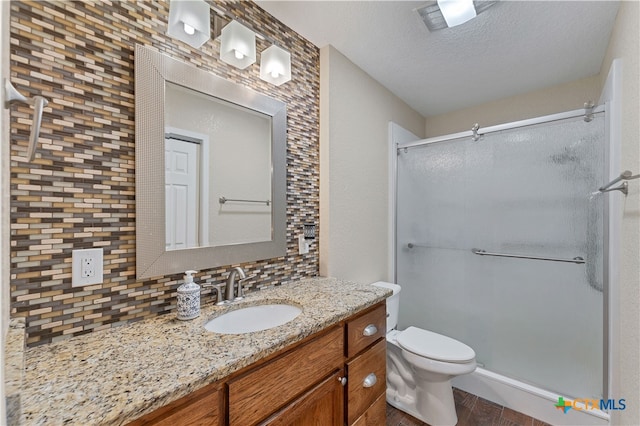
point(577, 259)
point(223, 200)
point(11, 95)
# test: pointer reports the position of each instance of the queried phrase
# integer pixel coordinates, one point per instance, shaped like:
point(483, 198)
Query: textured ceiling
point(513, 47)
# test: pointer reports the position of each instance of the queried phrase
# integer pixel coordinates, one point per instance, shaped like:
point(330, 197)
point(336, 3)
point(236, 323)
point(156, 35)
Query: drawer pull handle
point(370, 330)
point(342, 380)
point(370, 380)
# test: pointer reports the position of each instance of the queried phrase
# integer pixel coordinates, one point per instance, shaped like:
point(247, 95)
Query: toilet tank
point(393, 303)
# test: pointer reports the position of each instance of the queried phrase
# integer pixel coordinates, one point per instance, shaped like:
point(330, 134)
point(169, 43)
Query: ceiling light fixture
point(275, 65)
point(457, 12)
point(237, 45)
point(189, 21)
point(441, 14)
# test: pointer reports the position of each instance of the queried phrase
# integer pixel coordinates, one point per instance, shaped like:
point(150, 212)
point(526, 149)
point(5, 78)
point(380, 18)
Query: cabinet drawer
point(368, 365)
point(260, 392)
point(366, 329)
point(375, 415)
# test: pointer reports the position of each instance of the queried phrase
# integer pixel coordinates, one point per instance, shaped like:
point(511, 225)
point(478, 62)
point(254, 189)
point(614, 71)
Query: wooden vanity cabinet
point(298, 386)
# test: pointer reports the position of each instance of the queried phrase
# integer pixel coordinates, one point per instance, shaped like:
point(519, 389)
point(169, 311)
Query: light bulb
point(274, 74)
point(238, 54)
point(189, 29)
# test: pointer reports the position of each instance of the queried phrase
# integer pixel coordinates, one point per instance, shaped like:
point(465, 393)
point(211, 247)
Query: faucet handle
point(240, 295)
point(240, 290)
point(219, 299)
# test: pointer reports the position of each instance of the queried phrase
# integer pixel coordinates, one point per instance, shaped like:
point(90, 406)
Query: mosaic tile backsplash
point(79, 192)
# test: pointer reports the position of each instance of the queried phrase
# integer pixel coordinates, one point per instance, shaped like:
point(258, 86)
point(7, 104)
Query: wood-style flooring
point(472, 411)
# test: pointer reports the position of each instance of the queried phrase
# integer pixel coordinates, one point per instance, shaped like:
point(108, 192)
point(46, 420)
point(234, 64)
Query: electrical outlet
point(86, 267)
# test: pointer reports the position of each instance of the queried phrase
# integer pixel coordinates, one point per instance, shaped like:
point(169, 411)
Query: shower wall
point(526, 191)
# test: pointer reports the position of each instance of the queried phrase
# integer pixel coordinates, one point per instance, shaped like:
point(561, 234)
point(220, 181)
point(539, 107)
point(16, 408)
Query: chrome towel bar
point(479, 252)
point(223, 200)
point(578, 260)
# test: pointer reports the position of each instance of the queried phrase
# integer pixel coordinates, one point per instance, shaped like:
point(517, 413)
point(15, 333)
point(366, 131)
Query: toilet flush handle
point(370, 380)
point(370, 330)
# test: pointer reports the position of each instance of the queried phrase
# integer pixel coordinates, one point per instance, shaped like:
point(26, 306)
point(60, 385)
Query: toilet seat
point(434, 346)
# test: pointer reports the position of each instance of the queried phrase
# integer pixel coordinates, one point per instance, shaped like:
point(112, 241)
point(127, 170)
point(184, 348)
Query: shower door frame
point(608, 229)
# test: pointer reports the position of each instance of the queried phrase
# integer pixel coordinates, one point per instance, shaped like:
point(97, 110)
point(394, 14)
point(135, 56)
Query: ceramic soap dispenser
point(188, 298)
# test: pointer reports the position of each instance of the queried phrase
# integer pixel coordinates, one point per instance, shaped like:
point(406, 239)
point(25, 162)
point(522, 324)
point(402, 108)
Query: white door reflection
point(186, 189)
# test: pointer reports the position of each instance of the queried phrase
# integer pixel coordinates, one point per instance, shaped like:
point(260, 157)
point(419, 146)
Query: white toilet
point(420, 366)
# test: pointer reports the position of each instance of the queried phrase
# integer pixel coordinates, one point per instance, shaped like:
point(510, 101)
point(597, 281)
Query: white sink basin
point(253, 318)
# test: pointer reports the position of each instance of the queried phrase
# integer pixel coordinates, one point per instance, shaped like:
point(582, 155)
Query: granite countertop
point(14, 368)
point(117, 375)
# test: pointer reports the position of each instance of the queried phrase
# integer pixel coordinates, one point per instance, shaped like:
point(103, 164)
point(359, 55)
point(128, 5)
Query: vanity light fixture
point(237, 45)
point(189, 21)
point(275, 65)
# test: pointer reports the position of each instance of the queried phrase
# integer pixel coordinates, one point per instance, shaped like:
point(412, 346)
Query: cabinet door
point(323, 405)
point(201, 408)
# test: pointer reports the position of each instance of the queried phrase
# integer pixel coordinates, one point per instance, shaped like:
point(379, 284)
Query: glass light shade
point(237, 45)
point(189, 21)
point(275, 65)
point(456, 12)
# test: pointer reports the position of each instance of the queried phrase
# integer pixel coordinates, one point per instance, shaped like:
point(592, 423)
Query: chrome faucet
point(231, 283)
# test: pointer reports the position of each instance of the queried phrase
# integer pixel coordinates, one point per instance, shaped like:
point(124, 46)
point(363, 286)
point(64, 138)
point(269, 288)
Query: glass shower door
point(527, 192)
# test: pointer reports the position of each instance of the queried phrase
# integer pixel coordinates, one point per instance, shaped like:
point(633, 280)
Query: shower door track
point(500, 127)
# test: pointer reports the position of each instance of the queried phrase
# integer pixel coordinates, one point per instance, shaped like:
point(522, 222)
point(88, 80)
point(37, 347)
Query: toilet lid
point(434, 346)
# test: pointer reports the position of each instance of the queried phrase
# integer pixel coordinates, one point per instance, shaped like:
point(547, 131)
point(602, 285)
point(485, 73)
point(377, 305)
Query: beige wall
point(355, 111)
point(625, 44)
point(565, 97)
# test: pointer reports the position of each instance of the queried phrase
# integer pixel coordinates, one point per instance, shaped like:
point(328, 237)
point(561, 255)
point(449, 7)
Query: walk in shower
point(500, 243)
